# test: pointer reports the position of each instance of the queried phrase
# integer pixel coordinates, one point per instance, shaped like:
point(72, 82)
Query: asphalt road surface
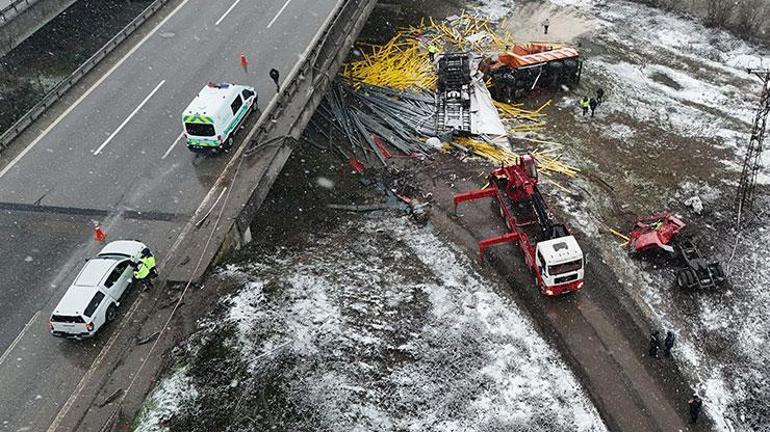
point(117, 156)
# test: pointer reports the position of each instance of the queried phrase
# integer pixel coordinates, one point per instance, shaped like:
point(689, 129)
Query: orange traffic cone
point(244, 62)
point(99, 234)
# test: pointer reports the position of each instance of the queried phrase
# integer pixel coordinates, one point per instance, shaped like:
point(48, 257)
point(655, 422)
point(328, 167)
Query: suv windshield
point(565, 267)
point(199, 129)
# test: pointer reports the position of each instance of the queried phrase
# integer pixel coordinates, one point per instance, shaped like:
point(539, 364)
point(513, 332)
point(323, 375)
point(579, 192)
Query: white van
point(213, 117)
point(93, 298)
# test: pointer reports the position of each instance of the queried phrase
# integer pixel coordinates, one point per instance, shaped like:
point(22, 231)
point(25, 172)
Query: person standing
point(654, 344)
point(142, 275)
point(144, 270)
point(600, 95)
point(593, 103)
point(668, 344)
point(696, 404)
point(432, 51)
point(546, 24)
point(585, 104)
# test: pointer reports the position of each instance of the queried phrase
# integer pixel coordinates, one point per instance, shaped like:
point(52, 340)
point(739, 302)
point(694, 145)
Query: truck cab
point(560, 265)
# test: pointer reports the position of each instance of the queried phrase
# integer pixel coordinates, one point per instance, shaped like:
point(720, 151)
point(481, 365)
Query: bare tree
point(750, 16)
point(719, 12)
point(666, 5)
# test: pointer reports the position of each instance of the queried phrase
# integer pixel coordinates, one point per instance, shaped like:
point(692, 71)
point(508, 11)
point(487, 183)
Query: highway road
point(116, 155)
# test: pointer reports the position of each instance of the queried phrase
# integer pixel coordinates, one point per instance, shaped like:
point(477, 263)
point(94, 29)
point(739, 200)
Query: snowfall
point(673, 82)
point(462, 356)
point(381, 325)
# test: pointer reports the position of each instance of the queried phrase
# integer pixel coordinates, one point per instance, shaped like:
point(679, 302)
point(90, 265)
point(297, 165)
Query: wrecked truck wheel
point(555, 66)
point(686, 279)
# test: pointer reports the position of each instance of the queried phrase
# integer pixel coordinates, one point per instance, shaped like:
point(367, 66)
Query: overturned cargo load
point(516, 72)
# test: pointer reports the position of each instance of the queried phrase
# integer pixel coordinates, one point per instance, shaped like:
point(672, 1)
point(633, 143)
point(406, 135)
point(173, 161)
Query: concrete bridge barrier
point(21, 18)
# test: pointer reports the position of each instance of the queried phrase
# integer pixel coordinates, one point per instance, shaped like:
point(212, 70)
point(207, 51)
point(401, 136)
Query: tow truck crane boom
point(553, 256)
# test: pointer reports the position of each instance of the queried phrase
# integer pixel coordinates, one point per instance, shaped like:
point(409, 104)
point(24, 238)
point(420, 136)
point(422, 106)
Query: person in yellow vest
point(585, 103)
point(432, 51)
point(144, 270)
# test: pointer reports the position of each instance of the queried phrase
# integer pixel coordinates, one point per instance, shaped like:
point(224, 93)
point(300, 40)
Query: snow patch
point(165, 401)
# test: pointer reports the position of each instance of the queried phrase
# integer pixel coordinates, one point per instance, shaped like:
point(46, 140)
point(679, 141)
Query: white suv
point(93, 299)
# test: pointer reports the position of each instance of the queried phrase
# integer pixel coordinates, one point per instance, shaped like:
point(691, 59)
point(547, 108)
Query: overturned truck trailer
point(515, 73)
point(453, 99)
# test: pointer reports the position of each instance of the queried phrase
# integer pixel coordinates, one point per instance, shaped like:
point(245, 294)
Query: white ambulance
point(213, 117)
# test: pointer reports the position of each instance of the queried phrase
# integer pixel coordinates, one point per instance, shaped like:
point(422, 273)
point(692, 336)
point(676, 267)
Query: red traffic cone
point(99, 234)
point(244, 62)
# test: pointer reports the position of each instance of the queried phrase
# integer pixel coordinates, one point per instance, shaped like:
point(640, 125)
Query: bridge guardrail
point(18, 6)
point(64, 85)
point(324, 48)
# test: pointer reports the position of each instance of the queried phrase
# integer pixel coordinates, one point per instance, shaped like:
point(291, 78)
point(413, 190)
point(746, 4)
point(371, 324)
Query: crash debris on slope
point(421, 92)
point(396, 332)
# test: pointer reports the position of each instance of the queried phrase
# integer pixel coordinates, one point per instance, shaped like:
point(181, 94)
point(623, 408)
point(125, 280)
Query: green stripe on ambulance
point(212, 118)
point(198, 119)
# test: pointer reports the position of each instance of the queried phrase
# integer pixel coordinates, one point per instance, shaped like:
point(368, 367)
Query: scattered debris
point(655, 231)
point(375, 125)
point(357, 207)
point(148, 339)
point(695, 204)
point(698, 272)
point(111, 398)
point(659, 231)
point(395, 102)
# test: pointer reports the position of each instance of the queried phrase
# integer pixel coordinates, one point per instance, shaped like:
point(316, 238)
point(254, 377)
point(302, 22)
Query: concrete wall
point(21, 26)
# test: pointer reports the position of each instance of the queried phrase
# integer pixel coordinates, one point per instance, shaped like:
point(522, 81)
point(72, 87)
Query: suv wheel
point(112, 313)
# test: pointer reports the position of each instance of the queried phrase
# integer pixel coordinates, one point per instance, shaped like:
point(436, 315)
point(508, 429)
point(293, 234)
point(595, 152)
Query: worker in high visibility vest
point(145, 271)
point(432, 51)
point(585, 104)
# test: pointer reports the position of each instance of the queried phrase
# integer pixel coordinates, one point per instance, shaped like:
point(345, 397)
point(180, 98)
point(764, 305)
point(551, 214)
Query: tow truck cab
point(560, 265)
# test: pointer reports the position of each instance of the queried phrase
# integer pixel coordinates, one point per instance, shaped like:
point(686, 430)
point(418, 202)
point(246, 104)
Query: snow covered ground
point(377, 326)
point(679, 107)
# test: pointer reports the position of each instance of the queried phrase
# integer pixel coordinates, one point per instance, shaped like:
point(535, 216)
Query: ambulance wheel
point(228, 144)
point(112, 313)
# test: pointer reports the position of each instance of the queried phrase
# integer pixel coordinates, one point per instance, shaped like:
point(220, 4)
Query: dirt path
point(600, 330)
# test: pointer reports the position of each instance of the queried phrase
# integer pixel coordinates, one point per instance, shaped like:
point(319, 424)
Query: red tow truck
point(552, 254)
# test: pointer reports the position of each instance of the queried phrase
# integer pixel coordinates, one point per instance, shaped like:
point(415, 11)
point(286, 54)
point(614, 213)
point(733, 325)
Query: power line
point(752, 162)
